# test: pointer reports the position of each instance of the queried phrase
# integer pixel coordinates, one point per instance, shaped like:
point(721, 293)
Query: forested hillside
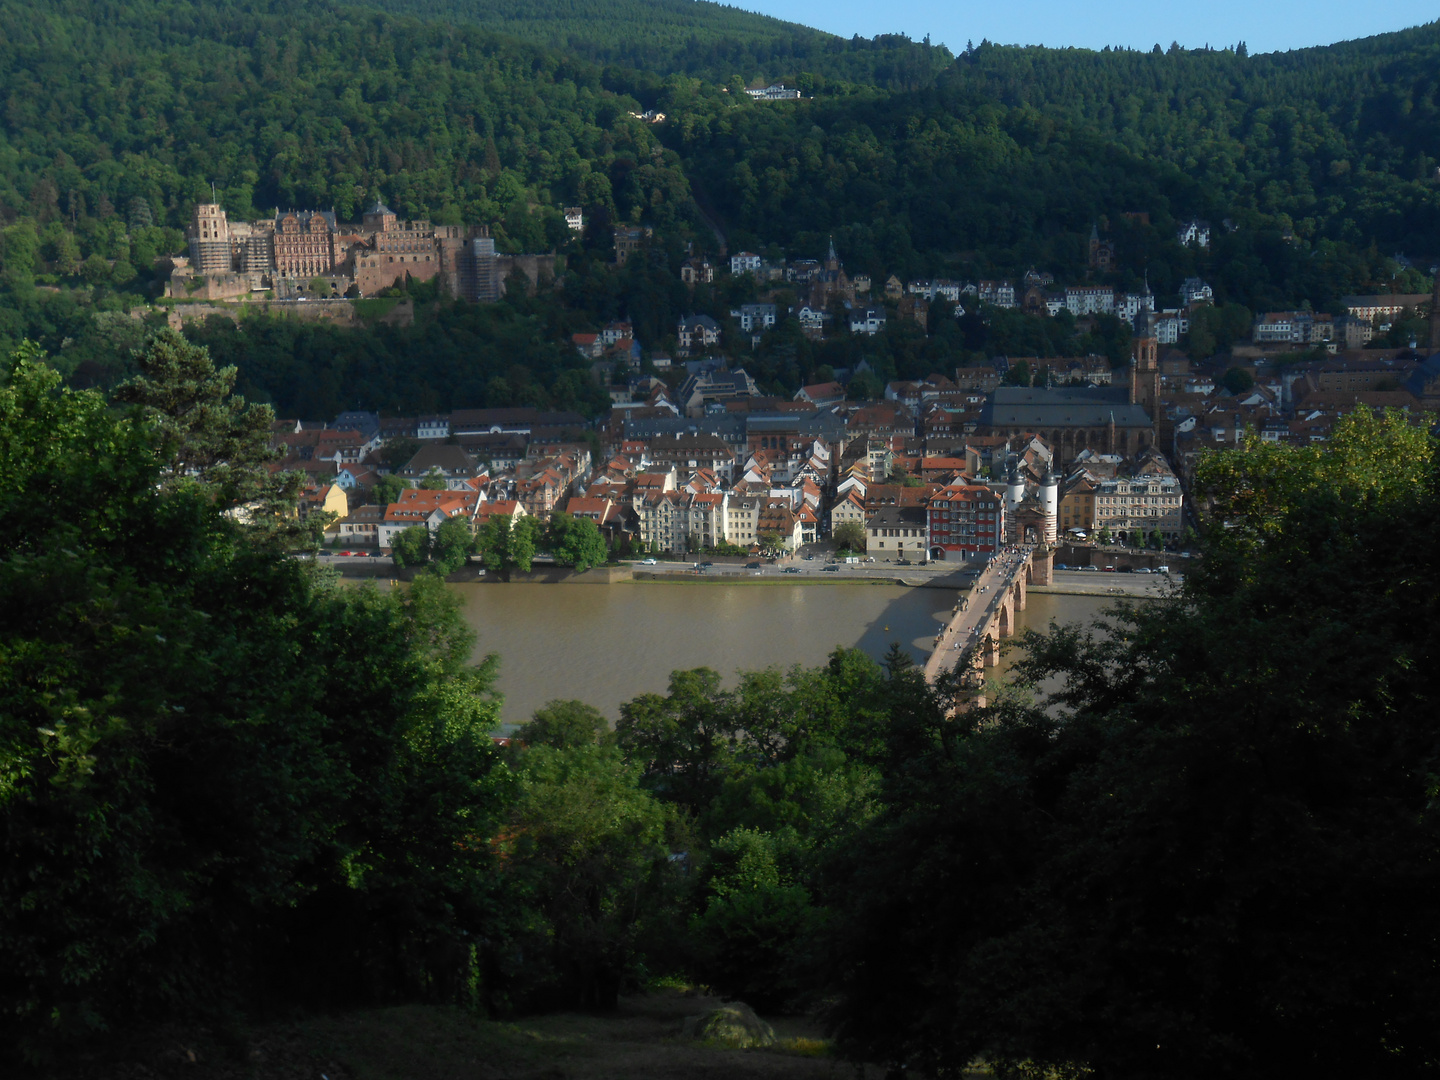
point(695, 37)
point(1013, 154)
point(145, 105)
point(1317, 168)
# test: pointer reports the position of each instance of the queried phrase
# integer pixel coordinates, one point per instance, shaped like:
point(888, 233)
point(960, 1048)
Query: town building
point(697, 332)
point(830, 284)
point(361, 527)
point(697, 271)
point(867, 320)
point(446, 461)
point(1077, 503)
point(1101, 253)
point(754, 317)
point(775, 92)
point(1292, 328)
point(1386, 307)
point(1144, 503)
point(1070, 419)
point(1194, 291)
point(966, 520)
point(996, 293)
point(705, 388)
point(428, 508)
point(895, 533)
point(745, 262)
point(1090, 300)
point(690, 451)
point(1194, 233)
point(630, 239)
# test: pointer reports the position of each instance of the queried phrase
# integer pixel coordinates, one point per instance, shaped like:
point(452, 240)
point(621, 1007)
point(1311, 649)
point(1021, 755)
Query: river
point(607, 644)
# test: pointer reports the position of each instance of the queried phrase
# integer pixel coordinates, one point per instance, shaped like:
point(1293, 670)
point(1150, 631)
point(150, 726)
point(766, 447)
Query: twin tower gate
point(985, 613)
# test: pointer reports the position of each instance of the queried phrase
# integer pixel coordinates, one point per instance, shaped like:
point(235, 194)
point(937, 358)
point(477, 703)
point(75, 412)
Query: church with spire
point(830, 283)
point(1145, 370)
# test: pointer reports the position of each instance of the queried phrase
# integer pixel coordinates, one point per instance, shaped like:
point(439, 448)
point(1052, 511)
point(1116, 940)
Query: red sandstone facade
point(304, 243)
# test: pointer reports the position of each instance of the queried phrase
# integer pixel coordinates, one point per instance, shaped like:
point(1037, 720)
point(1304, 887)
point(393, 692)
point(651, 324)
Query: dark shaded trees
point(575, 542)
point(1213, 848)
point(226, 781)
point(206, 432)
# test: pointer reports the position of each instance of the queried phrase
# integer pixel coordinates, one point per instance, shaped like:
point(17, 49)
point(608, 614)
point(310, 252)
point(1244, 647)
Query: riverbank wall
point(1118, 558)
point(476, 575)
point(1146, 590)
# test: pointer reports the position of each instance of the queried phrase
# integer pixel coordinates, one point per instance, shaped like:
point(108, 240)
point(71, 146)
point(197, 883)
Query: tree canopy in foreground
point(1213, 850)
point(228, 785)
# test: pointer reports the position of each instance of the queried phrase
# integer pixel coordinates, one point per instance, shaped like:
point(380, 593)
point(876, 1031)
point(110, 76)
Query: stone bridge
point(985, 613)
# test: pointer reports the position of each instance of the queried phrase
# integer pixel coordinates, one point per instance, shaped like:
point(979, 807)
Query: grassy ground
point(641, 1041)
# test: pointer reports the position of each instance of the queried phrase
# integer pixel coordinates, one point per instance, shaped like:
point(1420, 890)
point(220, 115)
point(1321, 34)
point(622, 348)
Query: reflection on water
point(607, 644)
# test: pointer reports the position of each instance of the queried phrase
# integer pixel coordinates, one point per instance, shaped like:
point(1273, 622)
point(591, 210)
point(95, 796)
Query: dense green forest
point(230, 788)
point(319, 107)
point(1317, 169)
point(1011, 155)
point(700, 38)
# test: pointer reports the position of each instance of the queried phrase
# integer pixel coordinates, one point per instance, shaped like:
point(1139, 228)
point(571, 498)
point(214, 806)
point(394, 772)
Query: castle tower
point(209, 240)
point(379, 217)
point(832, 260)
point(1014, 487)
point(1050, 502)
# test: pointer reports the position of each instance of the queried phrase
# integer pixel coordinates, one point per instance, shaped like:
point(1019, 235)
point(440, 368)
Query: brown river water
point(606, 644)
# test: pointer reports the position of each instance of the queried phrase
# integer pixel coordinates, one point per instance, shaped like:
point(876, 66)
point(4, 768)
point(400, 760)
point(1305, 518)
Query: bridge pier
point(990, 651)
point(1041, 566)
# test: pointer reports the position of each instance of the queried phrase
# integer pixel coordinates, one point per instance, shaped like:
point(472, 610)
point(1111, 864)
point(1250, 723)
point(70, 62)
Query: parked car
point(707, 564)
point(831, 569)
point(752, 566)
point(1090, 568)
point(1143, 570)
point(1127, 570)
point(344, 553)
point(791, 570)
point(648, 562)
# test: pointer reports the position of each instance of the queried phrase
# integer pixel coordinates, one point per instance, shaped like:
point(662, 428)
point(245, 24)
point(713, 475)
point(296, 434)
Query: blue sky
point(1264, 25)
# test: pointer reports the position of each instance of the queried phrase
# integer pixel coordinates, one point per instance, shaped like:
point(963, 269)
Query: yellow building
point(1077, 504)
point(327, 500)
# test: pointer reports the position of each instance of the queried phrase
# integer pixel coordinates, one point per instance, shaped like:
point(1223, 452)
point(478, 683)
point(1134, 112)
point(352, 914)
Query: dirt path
point(642, 1040)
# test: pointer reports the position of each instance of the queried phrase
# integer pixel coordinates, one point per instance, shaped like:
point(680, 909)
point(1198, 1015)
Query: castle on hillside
point(229, 259)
